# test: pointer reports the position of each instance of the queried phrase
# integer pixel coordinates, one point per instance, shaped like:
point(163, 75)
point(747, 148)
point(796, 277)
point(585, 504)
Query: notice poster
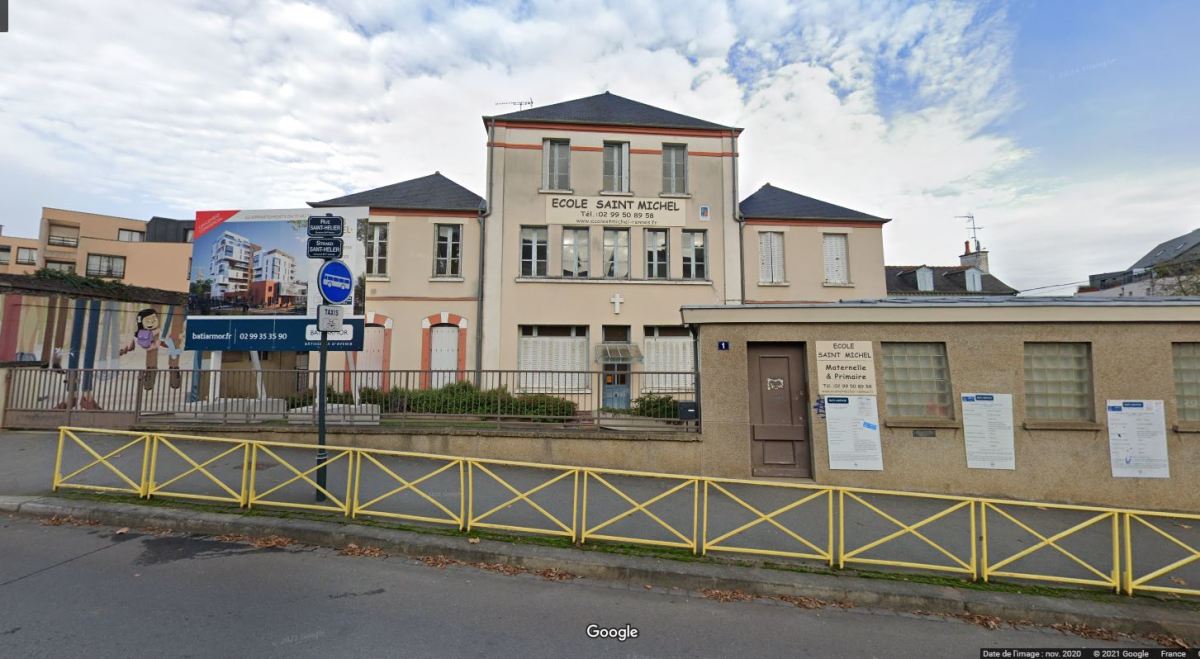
point(1137, 439)
point(845, 368)
point(988, 431)
point(852, 426)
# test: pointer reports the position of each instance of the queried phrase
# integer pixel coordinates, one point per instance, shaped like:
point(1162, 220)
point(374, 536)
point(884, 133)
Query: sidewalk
point(30, 461)
point(1133, 617)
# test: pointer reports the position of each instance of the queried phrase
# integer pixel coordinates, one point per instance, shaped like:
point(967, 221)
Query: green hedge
point(465, 399)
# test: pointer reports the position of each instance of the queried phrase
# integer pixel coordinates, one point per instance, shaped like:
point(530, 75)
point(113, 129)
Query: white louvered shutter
point(764, 257)
point(552, 354)
point(546, 154)
point(625, 167)
point(836, 267)
point(670, 356)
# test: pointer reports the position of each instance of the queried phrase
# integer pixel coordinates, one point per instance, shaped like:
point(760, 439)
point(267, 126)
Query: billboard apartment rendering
point(603, 216)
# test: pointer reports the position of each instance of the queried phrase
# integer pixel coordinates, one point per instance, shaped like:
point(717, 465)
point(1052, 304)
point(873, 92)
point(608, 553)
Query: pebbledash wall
point(1131, 346)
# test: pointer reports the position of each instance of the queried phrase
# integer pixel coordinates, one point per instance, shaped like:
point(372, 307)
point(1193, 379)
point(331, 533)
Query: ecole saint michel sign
point(615, 211)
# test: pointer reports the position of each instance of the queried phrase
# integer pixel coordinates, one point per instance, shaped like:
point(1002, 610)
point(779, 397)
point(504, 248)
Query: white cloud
point(881, 106)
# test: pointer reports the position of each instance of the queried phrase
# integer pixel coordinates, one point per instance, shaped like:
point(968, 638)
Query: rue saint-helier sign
point(615, 211)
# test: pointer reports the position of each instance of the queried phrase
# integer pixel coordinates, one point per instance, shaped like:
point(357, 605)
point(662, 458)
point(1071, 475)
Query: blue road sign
point(325, 226)
point(325, 248)
point(335, 281)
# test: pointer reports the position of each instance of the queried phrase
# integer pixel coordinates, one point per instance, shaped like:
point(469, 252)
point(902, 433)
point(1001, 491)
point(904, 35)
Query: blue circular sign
point(335, 282)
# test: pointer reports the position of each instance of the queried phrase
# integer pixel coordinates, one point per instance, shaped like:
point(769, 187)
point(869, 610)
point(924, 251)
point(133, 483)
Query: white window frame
point(450, 265)
point(616, 254)
point(60, 266)
point(916, 380)
point(556, 165)
point(675, 169)
point(538, 237)
point(131, 236)
point(925, 279)
point(695, 260)
point(6, 254)
point(615, 172)
point(27, 260)
point(658, 261)
point(835, 272)
point(1047, 389)
point(771, 258)
point(974, 280)
point(576, 253)
point(377, 241)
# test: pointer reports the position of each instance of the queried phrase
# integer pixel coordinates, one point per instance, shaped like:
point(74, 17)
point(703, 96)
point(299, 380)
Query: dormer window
point(974, 280)
point(925, 279)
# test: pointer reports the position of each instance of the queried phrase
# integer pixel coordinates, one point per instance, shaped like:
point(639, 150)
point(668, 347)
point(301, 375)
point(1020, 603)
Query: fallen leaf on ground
point(271, 541)
point(502, 568)
point(1178, 581)
point(123, 530)
point(1086, 631)
point(555, 574)
point(59, 520)
point(726, 595)
point(802, 602)
point(354, 550)
point(473, 541)
point(438, 561)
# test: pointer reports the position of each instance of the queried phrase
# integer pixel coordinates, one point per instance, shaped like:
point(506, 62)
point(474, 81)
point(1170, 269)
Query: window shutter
point(670, 357)
point(835, 258)
point(777, 272)
point(764, 257)
point(625, 167)
point(546, 154)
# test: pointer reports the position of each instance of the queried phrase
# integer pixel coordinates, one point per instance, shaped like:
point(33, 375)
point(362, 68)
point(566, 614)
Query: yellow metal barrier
point(154, 487)
point(137, 487)
point(559, 528)
point(358, 507)
point(958, 565)
point(1109, 579)
point(598, 475)
point(804, 494)
point(473, 474)
point(271, 450)
point(1134, 582)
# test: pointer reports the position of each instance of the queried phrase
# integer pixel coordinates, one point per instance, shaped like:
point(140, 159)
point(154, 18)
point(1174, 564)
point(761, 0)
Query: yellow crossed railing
point(414, 486)
point(64, 480)
point(341, 505)
point(156, 488)
point(958, 565)
point(1109, 579)
point(1133, 582)
point(559, 528)
point(685, 541)
point(801, 517)
point(804, 494)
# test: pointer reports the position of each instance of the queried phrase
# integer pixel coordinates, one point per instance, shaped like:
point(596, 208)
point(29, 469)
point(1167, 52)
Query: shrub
point(309, 397)
point(656, 407)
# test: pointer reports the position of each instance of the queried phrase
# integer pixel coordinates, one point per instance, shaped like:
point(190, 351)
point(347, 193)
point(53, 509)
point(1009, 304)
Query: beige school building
point(599, 218)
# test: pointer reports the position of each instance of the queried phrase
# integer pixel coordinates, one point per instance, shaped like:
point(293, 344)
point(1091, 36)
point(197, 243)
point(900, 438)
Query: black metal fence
point(607, 400)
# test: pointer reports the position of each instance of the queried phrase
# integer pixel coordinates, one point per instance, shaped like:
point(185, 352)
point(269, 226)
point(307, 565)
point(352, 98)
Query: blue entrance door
point(616, 386)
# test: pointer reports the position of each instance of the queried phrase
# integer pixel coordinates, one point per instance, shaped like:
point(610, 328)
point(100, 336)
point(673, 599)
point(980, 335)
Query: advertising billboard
point(252, 285)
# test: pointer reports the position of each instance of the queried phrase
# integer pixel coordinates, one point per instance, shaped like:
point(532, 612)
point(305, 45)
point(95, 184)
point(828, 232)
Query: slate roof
point(608, 109)
point(1168, 251)
point(83, 287)
point(770, 202)
point(947, 280)
point(433, 192)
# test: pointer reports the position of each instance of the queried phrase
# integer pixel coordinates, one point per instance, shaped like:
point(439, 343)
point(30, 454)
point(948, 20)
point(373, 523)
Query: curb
point(1138, 618)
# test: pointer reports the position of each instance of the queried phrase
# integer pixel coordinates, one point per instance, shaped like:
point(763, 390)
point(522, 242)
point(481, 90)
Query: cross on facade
point(616, 300)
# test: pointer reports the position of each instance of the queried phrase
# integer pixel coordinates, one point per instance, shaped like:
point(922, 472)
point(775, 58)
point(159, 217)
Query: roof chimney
point(977, 258)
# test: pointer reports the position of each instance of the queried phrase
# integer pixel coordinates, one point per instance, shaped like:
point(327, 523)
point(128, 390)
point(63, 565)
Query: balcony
point(63, 241)
point(110, 273)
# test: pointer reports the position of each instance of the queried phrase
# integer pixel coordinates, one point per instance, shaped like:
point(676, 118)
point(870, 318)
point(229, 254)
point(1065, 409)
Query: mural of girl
point(147, 338)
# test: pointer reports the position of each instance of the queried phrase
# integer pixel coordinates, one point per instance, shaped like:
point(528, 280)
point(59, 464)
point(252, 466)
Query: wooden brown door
point(779, 411)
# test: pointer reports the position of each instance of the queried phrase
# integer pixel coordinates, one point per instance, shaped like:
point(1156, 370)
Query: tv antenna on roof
point(519, 104)
point(972, 228)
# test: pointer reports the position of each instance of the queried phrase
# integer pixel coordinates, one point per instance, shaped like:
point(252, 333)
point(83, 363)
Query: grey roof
point(947, 280)
point(610, 109)
point(1169, 250)
point(975, 301)
point(433, 192)
point(770, 202)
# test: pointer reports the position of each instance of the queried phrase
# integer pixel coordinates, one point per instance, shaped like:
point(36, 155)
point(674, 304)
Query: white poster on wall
point(988, 431)
point(852, 427)
point(1137, 439)
point(846, 368)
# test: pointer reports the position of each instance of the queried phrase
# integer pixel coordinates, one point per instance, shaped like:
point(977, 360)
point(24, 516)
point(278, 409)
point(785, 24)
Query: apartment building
point(116, 248)
point(18, 256)
point(603, 216)
point(229, 265)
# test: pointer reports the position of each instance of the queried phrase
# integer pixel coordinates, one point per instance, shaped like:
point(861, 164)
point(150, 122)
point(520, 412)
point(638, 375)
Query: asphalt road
point(88, 591)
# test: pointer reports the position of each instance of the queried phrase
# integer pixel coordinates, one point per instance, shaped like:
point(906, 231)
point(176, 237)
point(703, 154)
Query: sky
point(1067, 127)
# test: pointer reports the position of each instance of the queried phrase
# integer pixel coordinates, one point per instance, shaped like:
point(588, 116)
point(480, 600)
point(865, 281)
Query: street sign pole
point(322, 456)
